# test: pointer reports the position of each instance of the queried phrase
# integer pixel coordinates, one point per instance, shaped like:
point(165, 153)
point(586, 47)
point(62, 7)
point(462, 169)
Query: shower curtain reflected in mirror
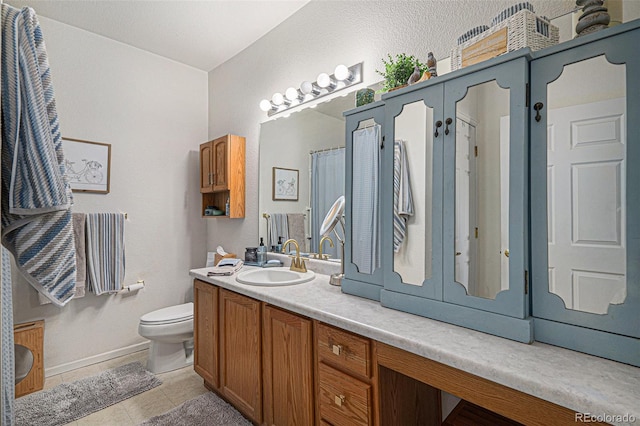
point(327, 184)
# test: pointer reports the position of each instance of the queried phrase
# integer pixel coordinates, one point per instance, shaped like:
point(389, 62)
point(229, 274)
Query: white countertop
point(580, 382)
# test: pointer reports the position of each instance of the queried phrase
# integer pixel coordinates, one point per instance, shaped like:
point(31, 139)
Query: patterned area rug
point(205, 410)
point(71, 401)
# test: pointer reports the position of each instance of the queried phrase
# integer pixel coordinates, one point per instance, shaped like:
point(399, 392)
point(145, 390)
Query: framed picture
point(88, 165)
point(285, 184)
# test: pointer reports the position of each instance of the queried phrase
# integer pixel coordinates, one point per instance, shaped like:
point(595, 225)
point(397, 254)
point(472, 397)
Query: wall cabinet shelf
point(222, 175)
point(522, 213)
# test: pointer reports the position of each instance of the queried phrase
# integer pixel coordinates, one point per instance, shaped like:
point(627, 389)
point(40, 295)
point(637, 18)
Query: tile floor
point(177, 387)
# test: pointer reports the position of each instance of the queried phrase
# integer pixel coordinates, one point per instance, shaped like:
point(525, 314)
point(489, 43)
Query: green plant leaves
point(397, 71)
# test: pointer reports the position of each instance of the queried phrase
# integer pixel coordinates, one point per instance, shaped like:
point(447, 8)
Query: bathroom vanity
point(312, 352)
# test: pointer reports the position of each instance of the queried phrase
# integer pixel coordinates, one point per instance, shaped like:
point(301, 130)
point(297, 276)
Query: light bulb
point(324, 80)
point(306, 87)
point(277, 99)
point(265, 105)
point(291, 93)
point(342, 73)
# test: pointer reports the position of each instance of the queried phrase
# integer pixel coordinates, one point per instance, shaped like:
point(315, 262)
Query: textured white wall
point(315, 39)
point(153, 112)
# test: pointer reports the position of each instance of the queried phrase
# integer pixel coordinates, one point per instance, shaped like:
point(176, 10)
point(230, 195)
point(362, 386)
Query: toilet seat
point(170, 315)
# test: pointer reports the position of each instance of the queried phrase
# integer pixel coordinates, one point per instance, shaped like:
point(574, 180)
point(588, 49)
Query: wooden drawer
point(343, 400)
point(343, 349)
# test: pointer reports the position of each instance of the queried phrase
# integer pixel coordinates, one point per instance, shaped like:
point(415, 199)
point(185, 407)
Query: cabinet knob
point(337, 349)
point(339, 400)
point(537, 107)
point(458, 253)
point(506, 252)
point(447, 122)
point(438, 125)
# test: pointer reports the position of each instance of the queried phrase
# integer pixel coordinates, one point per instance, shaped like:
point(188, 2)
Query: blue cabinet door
point(485, 190)
point(412, 193)
point(585, 197)
point(363, 159)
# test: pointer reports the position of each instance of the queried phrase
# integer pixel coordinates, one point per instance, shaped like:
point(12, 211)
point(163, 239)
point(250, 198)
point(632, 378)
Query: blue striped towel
point(366, 174)
point(402, 197)
point(279, 228)
point(105, 252)
point(7, 365)
point(36, 197)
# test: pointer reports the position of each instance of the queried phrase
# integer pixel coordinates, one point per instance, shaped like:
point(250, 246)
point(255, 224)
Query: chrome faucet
point(320, 255)
point(297, 263)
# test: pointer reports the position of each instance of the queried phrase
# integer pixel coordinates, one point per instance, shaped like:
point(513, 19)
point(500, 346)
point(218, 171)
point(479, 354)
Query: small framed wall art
point(285, 184)
point(87, 164)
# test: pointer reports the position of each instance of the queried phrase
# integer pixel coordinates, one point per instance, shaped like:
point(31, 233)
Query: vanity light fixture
point(325, 84)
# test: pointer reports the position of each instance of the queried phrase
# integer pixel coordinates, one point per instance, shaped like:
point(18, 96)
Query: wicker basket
point(522, 29)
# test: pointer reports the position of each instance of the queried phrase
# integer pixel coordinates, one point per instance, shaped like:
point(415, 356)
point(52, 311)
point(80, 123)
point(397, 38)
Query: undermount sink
point(274, 277)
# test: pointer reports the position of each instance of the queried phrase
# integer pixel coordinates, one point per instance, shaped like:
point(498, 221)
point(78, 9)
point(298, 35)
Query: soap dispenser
point(262, 253)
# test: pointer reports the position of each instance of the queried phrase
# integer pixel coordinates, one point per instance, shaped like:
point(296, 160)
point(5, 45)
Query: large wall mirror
point(310, 142)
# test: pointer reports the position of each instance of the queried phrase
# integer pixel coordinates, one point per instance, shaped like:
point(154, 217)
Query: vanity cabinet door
point(585, 206)
point(205, 330)
point(288, 368)
point(363, 243)
point(241, 353)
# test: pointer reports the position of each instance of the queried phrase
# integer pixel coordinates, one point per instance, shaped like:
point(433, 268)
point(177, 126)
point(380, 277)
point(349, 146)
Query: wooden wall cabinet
point(222, 174)
point(287, 368)
point(241, 353)
point(206, 333)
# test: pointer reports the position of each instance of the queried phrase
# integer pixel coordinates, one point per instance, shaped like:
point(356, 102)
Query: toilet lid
point(169, 315)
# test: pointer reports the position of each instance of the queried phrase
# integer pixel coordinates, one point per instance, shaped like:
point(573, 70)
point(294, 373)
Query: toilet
point(171, 333)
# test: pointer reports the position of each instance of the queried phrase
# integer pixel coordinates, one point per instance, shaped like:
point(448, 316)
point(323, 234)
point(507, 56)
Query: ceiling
point(168, 28)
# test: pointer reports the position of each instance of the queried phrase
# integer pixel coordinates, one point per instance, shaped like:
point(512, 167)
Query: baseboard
point(63, 368)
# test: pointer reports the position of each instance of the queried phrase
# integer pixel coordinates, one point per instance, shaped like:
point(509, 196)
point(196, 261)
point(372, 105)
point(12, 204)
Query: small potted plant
point(397, 71)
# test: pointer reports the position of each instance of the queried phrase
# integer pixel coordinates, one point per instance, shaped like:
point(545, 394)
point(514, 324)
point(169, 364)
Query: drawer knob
point(339, 400)
point(337, 349)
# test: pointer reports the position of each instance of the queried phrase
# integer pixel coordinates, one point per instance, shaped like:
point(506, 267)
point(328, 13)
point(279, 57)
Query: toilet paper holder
point(139, 285)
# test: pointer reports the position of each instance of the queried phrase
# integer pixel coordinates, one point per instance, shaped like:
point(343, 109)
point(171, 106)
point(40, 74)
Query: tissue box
point(217, 258)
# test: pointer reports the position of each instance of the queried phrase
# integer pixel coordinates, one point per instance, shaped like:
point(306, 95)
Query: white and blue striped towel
point(279, 228)
point(8, 356)
point(105, 252)
point(402, 196)
point(366, 174)
point(36, 197)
